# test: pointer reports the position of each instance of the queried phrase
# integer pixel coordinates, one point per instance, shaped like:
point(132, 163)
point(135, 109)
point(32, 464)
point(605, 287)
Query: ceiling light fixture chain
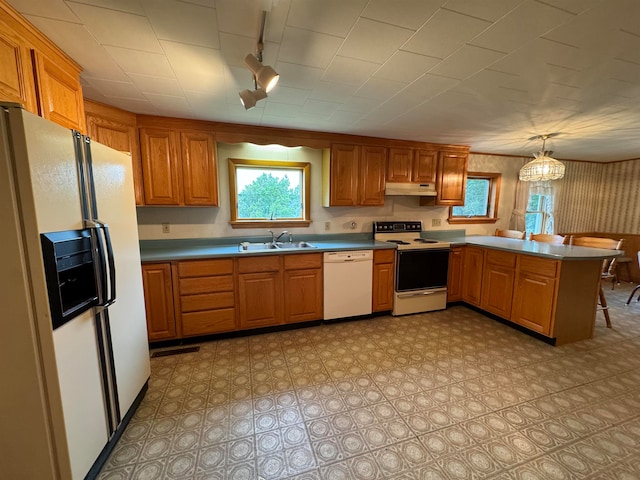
point(543, 167)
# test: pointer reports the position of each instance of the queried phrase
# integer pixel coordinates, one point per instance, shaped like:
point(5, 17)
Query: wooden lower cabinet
point(205, 296)
point(497, 282)
point(158, 301)
point(534, 298)
point(259, 291)
point(383, 278)
point(303, 293)
point(473, 263)
point(454, 280)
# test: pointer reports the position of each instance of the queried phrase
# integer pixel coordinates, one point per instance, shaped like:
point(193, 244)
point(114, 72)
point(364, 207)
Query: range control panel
point(396, 227)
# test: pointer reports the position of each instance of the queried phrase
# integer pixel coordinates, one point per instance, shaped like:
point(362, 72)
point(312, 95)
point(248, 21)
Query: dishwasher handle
point(349, 256)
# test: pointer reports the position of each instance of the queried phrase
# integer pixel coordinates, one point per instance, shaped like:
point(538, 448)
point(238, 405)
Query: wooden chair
point(608, 266)
point(510, 234)
point(635, 289)
point(546, 238)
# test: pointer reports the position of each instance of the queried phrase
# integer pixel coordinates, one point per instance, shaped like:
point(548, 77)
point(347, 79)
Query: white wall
point(207, 222)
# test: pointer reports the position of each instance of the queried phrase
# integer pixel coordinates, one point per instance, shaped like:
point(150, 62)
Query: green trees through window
point(480, 199)
point(269, 197)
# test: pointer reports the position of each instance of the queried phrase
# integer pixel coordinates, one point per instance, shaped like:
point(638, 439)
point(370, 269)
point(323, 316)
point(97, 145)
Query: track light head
point(265, 75)
point(249, 98)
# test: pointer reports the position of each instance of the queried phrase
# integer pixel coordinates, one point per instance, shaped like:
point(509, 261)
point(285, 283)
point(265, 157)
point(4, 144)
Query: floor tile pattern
point(441, 395)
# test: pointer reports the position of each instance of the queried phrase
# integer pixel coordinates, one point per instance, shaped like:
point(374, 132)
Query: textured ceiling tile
point(143, 63)
point(332, 17)
point(466, 62)
point(241, 17)
point(282, 94)
point(576, 6)
point(349, 71)
point(169, 102)
point(129, 6)
point(54, 9)
point(319, 107)
point(406, 66)
point(299, 76)
point(528, 21)
point(83, 48)
point(443, 33)
point(111, 88)
point(404, 13)
point(157, 85)
point(308, 48)
point(234, 48)
point(135, 106)
point(428, 86)
point(120, 29)
point(380, 88)
point(198, 69)
point(490, 10)
point(183, 22)
point(373, 41)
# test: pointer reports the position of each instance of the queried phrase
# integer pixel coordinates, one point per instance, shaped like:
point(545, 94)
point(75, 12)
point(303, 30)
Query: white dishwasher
point(348, 283)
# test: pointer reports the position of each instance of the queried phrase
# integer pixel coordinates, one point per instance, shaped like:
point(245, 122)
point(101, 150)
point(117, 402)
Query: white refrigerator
point(66, 392)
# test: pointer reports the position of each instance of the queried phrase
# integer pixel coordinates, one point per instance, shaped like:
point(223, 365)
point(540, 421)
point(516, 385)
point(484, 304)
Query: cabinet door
point(161, 166)
point(424, 166)
point(400, 165)
point(497, 290)
point(472, 275)
point(302, 295)
point(451, 178)
point(60, 94)
point(373, 161)
point(16, 72)
point(105, 126)
point(454, 281)
point(344, 175)
point(382, 287)
point(259, 297)
point(199, 169)
point(533, 303)
point(158, 301)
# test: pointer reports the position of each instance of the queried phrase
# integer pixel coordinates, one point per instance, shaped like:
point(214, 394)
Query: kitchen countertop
point(190, 249)
point(538, 249)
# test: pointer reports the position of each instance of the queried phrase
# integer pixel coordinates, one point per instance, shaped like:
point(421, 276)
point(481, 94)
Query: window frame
point(303, 167)
point(493, 200)
point(540, 212)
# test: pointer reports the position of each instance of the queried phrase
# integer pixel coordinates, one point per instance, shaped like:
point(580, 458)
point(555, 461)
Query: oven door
point(421, 269)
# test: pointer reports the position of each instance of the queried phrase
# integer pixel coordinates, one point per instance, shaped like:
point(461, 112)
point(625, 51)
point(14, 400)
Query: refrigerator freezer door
point(113, 180)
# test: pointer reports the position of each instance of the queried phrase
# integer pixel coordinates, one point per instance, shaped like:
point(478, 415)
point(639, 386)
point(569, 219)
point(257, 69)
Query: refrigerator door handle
point(112, 264)
point(105, 265)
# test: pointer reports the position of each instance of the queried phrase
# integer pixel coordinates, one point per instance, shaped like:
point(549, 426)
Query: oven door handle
point(421, 293)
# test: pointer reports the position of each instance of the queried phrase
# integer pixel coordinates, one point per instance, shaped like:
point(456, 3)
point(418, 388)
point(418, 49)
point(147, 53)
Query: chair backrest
point(510, 234)
point(547, 238)
point(608, 265)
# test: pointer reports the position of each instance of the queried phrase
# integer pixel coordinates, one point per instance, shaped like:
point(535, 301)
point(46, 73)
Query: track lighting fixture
point(264, 76)
point(249, 98)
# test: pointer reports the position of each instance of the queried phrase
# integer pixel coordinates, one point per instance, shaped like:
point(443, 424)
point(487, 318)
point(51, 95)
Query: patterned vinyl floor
point(441, 395)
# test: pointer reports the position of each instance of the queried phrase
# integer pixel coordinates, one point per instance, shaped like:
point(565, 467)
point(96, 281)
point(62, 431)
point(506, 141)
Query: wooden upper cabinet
point(424, 166)
point(451, 181)
point(16, 72)
point(60, 93)
point(400, 165)
point(160, 166)
point(373, 161)
point(178, 166)
point(355, 175)
point(199, 169)
point(117, 129)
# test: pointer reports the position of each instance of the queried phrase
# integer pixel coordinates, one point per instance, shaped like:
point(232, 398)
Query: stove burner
point(424, 240)
point(398, 242)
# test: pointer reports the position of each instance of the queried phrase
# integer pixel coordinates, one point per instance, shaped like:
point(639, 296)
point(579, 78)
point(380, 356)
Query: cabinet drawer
point(257, 264)
point(212, 321)
point(203, 268)
point(504, 259)
point(192, 286)
point(539, 266)
point(206, 301)
point(384, 256)
point(304, 260)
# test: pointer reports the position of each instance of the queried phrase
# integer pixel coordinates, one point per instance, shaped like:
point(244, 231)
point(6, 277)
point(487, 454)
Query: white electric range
point(422, 266)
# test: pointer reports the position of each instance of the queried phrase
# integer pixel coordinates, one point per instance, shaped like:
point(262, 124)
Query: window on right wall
point(480, 200)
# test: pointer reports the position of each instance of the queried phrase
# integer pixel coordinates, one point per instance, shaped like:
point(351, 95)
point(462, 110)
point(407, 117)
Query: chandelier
point(542, 167)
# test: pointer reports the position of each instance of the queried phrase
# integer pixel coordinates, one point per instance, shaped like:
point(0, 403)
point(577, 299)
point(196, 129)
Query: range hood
point(416, 189)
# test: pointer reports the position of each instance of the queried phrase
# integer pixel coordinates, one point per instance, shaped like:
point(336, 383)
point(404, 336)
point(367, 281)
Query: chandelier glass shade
point(542, 168)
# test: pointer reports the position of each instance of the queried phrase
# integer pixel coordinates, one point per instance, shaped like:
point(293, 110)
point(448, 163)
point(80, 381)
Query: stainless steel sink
point(268, 246)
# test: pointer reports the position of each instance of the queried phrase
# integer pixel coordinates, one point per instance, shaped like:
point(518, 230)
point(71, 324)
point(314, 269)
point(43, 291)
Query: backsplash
point(208, 222)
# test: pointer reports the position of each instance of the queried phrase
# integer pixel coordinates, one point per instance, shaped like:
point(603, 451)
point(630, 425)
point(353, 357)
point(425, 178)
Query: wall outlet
point(327, 226)
point(166, 228)
point(436, 222)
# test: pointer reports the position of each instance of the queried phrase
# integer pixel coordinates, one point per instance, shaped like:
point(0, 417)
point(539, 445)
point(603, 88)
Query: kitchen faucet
point(284, 232)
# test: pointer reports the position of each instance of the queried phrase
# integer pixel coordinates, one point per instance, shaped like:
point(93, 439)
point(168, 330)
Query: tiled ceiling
point(485, 73)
